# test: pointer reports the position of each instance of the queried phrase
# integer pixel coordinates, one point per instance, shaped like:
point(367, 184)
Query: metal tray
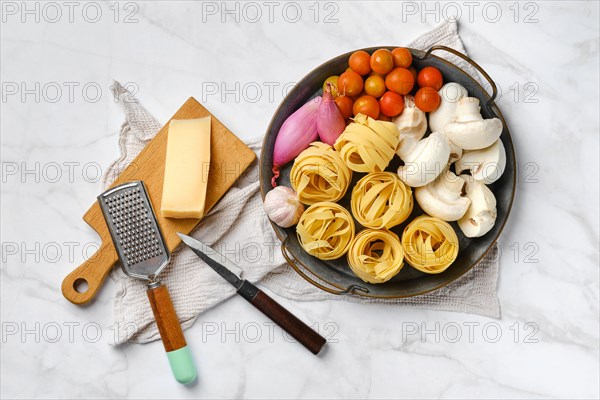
point(335, 276)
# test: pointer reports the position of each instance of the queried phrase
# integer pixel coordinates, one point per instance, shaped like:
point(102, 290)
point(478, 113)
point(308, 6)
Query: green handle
point(182, 365)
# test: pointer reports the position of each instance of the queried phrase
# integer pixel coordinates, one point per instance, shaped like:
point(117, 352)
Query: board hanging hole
point(81, 285)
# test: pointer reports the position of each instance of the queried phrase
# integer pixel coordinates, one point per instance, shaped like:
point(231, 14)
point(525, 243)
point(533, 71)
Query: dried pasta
point(381, 200)
point(376, 256)
point(430, 244)
point(368, 145)
point(319, 174)
point(325, 230)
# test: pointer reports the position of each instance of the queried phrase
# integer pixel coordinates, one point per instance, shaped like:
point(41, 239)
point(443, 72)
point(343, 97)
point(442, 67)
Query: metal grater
point(135, 233)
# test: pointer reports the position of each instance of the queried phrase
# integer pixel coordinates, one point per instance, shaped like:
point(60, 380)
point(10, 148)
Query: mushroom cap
point(486, 165)
point(425, 161)
point(474, 135)
point(443, 198)
point(450, 94)
point(481, 215)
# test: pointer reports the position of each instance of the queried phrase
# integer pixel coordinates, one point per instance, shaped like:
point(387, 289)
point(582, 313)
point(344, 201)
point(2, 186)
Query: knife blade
point(259, 299)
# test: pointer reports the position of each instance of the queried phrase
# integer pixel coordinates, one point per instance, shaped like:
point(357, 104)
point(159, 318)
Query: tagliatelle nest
point(368, 145)
point(430, 244)
point(376, 256)
point(325, 230)
point(381, 200)
point(319, 174)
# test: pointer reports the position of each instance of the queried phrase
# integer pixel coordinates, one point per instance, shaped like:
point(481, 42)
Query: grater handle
point(178, 353)
point(92, 272)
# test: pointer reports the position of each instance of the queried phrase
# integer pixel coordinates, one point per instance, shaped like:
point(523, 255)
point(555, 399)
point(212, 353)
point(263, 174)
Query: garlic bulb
point(283, 207)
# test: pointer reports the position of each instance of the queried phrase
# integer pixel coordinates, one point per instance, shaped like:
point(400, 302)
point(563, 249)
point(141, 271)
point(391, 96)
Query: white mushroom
point(469, 130)
point(425, 161)
point(481, 215)
point(486, 165)
point(443, 198)
point(450, 94)
point(412, 125)
point(455, 152)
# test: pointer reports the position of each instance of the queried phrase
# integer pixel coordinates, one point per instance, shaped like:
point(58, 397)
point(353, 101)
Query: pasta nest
point(430, 244)
point(376, 256)
point(325, 230)
point(319, 174)
point(368, 145)
point(381, 200)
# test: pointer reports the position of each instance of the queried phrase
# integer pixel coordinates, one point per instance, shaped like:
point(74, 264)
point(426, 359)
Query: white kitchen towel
point(238, 227)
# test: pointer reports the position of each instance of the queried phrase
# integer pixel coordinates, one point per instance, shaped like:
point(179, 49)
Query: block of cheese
point(186, 168)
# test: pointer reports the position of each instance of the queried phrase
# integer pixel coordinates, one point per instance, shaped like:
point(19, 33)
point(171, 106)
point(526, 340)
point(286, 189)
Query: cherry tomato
point(375, 86)
point(360, 62)
point(430, 77)
point(384, 118)
point(402, 57)
point(367, 105)
point(350, 83)
point(400, 80)
point(382, 61)
point(427, 99)
point(345, 104)
point(413, 71)
point(391, 104)
point(333, 80)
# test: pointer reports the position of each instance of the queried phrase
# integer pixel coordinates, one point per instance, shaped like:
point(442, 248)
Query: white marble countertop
point(59, 127)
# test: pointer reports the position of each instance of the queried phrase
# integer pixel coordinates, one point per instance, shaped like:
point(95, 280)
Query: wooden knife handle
point(282, 317)
point(171, 334)
point(92, 272)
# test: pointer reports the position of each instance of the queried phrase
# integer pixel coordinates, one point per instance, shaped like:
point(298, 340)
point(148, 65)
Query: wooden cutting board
point(229, 158)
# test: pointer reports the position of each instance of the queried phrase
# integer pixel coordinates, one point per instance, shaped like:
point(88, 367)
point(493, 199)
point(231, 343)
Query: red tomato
point(391, 104)
point(402, 57)
point(375, 86)
point(427, 99)
point(400, 80)
point(360, 62)
point(345, 104)
point(382, 61)
point(430, 77)
point(413, 71)
point(367, 105)
point(350, 84)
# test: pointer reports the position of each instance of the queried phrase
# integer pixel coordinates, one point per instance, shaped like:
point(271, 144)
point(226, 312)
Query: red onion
point(330, 121)
point(297, 132)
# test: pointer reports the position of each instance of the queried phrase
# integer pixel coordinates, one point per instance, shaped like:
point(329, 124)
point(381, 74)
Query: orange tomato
point(360, 62)
point(402, 57)
point(375, 86)
point(345, 104)
point(430, 77)
point(400, 80)
point(427, 99)
point(367, 105)
point(350, 83)
point(391, 104)
point(382, 61)
point(413, 71)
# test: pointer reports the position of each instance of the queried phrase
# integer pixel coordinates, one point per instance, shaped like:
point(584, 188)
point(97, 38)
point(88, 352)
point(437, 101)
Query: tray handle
point(294, 263)
point(490, 104)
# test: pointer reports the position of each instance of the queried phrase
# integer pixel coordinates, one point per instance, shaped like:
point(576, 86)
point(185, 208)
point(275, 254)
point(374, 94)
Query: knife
point(259, 299)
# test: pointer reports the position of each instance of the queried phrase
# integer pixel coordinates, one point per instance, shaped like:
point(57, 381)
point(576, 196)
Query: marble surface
point(59, 126)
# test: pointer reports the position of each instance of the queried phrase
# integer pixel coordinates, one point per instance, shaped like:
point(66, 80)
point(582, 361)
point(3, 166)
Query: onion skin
point(330, 121)
point(297, 132)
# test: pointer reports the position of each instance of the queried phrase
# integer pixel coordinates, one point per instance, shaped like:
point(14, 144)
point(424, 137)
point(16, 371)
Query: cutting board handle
point(92, 272)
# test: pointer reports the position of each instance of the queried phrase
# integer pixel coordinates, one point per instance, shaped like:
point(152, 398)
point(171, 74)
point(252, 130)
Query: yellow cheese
point(186, 168)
